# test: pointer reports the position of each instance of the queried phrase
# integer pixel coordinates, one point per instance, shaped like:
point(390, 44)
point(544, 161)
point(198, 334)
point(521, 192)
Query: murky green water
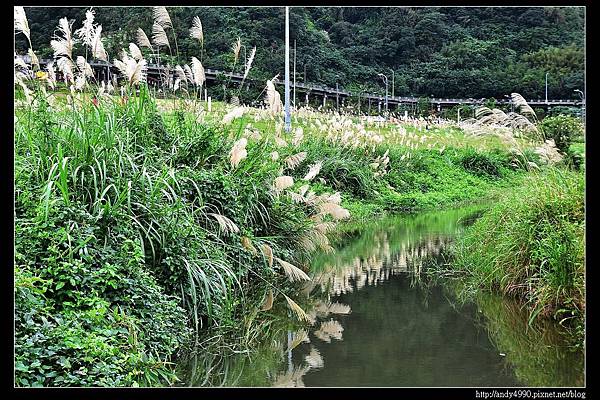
point(379, 321)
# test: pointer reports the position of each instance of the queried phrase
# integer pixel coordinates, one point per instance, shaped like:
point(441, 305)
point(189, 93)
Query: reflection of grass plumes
point(531, 245)
point(536, 352)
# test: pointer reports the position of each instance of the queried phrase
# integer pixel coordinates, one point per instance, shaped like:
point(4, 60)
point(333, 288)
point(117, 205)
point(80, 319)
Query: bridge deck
point(322, 90)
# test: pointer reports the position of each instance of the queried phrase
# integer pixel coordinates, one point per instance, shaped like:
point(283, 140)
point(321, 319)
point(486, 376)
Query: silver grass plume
point(159, 36)
point(294, 160)
point(198, 72)
point(299, 337)
point(297, 309)
point(84, 67)
point(161, 16)
point(238, 152)
point(233, 114)
point(21, 24)
point(65, 66)
point(249, 62)
point(51, 74)
point(237, 46)
point(135, 51)
point(97, 46)
point(188, 73)
point(196, 31)
point(268, 303)
point(86, 32)
point(292, 272)
point(273, 97)
point(135, 71)
point(34, 59)
point(522, 105)
point(142, 39)
point(180, 73)
point(63, 46)
point(314, 358)
point(226, 225)
point(267, 252)
point(313, 171)
point(283, 182)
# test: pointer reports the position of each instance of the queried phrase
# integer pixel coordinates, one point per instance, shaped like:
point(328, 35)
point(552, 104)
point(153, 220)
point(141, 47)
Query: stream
point(380, 320)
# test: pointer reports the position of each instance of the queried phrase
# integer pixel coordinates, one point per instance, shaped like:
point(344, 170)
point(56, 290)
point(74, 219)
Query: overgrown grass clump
point(125, 246)
point(531, 245)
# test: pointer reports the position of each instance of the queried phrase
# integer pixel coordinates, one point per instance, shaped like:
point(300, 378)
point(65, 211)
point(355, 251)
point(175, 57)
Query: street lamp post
point(337, 96)
point(386, 90)
point(582, 96)
point(294, 74)
point(288, 119)
point(546, 87)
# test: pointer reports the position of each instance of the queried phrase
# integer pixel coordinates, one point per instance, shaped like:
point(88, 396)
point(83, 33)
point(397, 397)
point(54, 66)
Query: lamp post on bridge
point(582, 96)
point(393, 73)
point(385, 78)
point(546, 87)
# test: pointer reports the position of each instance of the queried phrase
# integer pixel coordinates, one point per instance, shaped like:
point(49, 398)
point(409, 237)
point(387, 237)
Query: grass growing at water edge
point(531, 245)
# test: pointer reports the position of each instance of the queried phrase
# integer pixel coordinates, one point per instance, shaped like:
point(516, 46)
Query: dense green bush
point(88, 313)
point(563, 129)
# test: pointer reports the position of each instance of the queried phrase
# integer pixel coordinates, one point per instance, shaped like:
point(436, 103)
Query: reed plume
point(313, 171)
point(198, 72)
point(235, 113)
point(135, 51)
point(267, 252)
point(238, 152)
point(161, 17)
point(159, 36)
point(293, 273)
point(249, 62)
point(237, 46)
point(226, 224)
point(86, 32)
point(142, 39)
point(21, 24)
point(294, 160)
point(97, 46)
point(283, 182)
point(196, 31)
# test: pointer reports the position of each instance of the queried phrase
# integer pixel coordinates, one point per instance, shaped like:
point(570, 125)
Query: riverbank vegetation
point(147, 230)
point(531, 245)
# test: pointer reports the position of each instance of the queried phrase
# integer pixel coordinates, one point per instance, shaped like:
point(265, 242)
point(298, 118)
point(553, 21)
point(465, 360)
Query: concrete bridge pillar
point(324, 99)
point(306, 99)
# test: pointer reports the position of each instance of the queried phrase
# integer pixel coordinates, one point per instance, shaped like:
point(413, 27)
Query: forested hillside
point(444, 52)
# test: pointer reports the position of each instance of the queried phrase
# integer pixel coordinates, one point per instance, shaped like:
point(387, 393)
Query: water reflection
point(371, 325)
